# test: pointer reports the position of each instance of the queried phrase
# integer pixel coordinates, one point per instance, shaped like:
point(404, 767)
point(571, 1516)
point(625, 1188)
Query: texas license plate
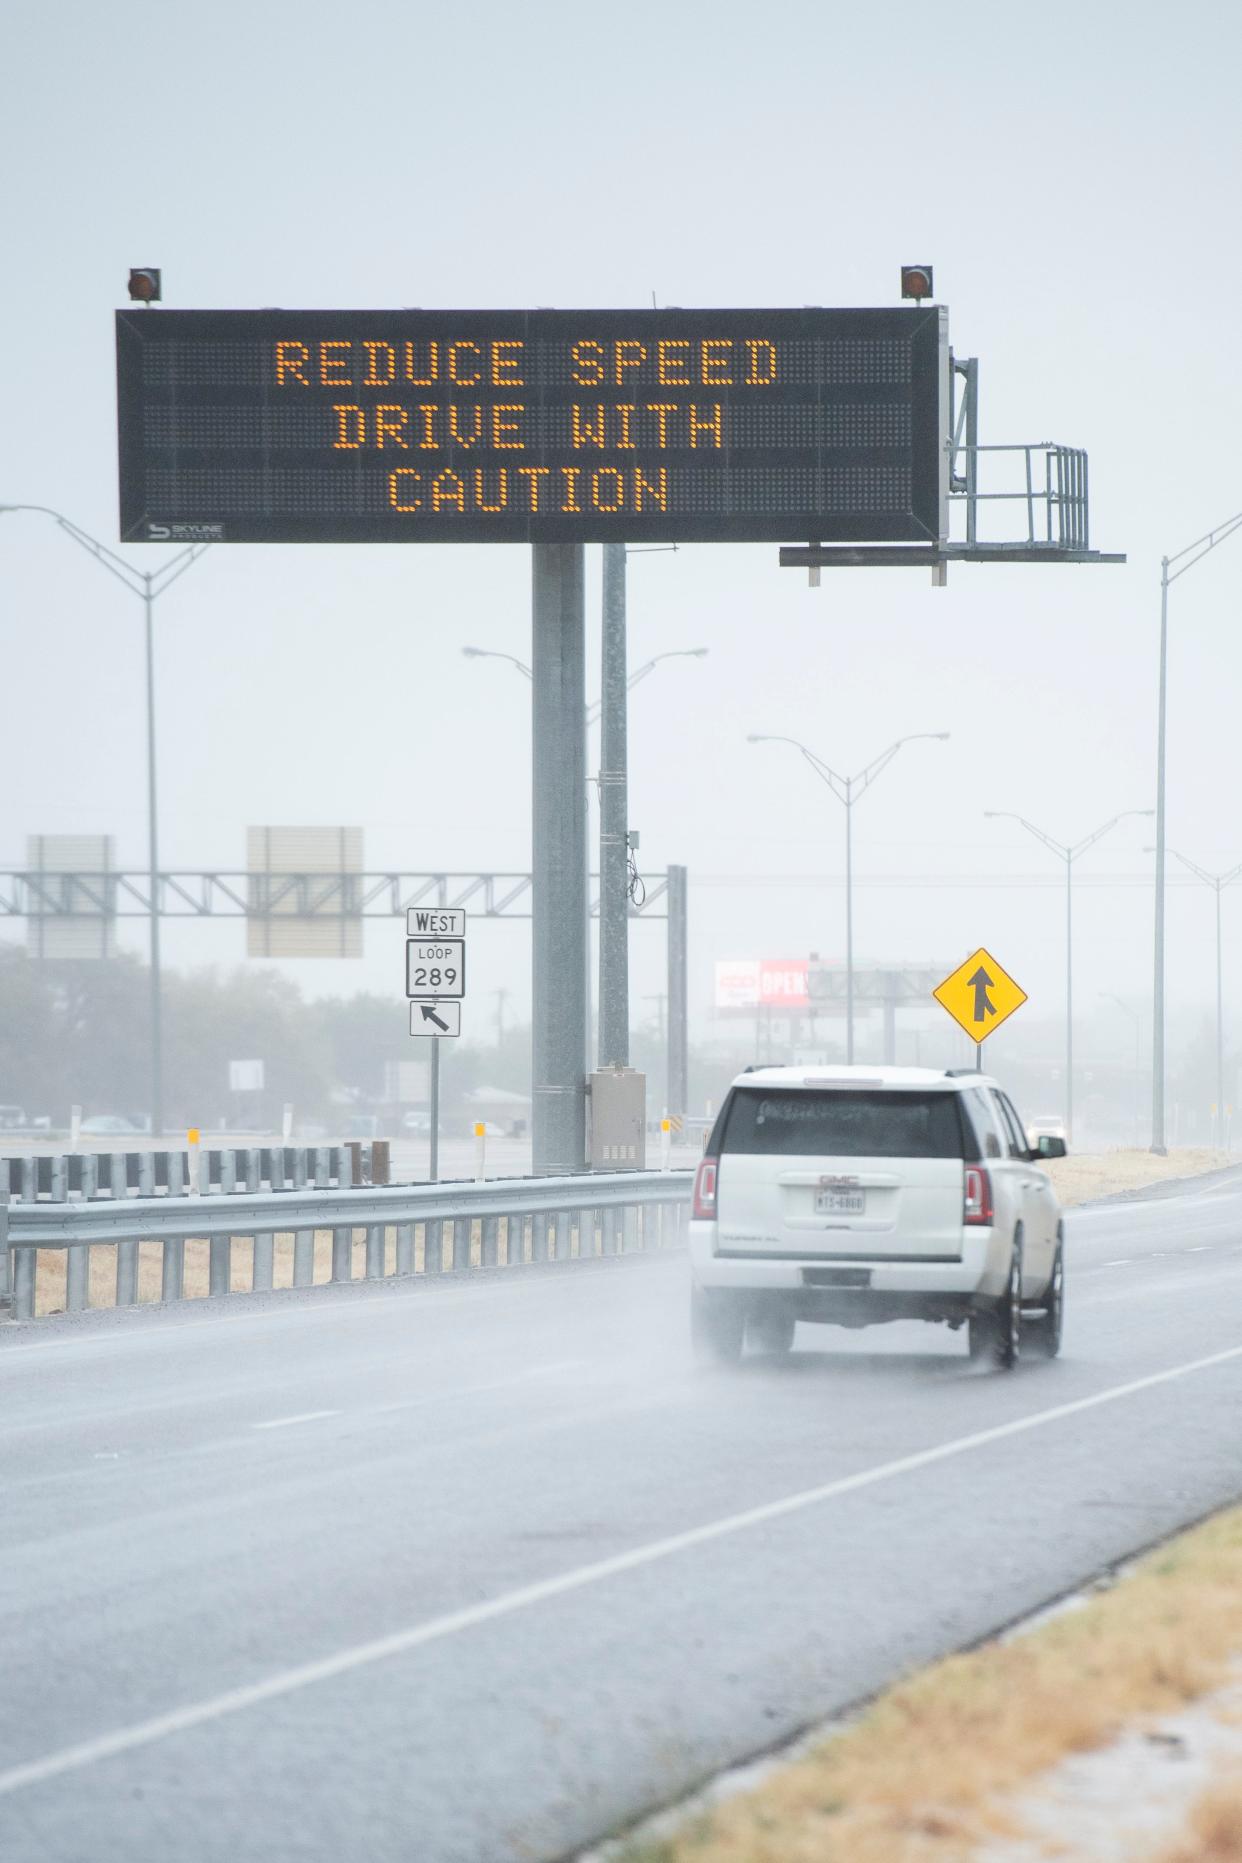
point(840, 1202)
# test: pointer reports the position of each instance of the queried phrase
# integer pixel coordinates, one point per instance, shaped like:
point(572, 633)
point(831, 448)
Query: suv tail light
point(978, 1202)
point(703, 1209)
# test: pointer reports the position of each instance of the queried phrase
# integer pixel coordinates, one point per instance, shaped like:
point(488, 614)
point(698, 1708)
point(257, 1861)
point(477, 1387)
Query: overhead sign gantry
point(841, 428)
point(533, 426)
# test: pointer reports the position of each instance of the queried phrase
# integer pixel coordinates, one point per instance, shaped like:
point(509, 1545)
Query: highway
point(465, 1572)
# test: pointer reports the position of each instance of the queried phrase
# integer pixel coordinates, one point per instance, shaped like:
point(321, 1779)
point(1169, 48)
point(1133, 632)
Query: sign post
point(435, 982)
point(558, 833)
point(979, 995)
point(433, 1144)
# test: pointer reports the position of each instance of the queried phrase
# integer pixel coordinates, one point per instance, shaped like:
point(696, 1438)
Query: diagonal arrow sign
point(981, 983)
point(429, 1015)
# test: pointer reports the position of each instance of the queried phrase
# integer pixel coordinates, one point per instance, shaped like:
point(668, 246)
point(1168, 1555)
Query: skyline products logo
point(185, 533)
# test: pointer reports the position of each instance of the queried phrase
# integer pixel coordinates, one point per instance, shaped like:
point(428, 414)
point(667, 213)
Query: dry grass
point(51, 1271)
point(1215, 1829)
point(1084, 1175)
point(923, 1775)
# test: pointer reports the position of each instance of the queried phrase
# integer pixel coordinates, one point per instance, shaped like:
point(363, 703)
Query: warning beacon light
point(916, 281)
point(144, 283)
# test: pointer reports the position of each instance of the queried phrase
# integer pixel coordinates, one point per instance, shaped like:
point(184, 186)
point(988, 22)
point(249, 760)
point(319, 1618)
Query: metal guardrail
point(222, 1169)
point(435, 1229)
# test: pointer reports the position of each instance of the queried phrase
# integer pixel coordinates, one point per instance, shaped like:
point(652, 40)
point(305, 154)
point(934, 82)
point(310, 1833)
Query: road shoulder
point(979, 1755)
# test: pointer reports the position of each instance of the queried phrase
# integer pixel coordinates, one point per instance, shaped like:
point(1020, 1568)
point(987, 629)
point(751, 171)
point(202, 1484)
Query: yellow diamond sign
point(979, 995)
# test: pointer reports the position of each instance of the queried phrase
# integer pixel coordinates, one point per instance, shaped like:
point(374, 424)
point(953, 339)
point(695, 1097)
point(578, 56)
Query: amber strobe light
point(916, 281)
point(144, 284)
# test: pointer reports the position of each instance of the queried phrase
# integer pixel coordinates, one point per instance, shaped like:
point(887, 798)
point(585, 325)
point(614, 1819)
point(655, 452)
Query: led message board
point(533, 426)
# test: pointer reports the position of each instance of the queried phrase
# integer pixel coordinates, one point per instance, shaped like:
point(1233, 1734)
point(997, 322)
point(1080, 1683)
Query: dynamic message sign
point(533, 426)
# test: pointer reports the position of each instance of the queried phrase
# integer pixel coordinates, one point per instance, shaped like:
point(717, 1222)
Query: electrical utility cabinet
point(618, 1119)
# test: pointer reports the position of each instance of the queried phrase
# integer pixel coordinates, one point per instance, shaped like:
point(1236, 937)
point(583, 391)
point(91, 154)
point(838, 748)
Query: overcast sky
point(1072, 172)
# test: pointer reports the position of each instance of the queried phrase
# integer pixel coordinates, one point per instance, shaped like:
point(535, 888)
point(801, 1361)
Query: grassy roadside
point(923, 1775)
point(1214, 1829)
point(50, 1278)
point(1084, 1175)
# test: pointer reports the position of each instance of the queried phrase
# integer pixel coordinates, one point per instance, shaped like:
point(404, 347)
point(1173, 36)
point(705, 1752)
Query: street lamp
point(593, 711)
point(1069, 853)
point(148, 587)
point(486, 653)
point(847, 790)
point(675, 653)
point(1137, 1020)
point(1193, 553)
point(1218, 882)
point(614, 1001)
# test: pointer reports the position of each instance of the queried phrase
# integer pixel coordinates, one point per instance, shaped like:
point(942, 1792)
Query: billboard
point(533, 425)
point(301, 892)
point(71, 918)
point(762, 983)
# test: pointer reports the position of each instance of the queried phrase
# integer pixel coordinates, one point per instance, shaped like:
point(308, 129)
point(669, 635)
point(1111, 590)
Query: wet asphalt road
point(477, 1571)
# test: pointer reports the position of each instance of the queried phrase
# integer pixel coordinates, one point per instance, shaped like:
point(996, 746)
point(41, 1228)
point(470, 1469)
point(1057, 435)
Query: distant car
point(416, 1124)
point(851, 1196)
point(109, 1125)
point(362, 1126)
point(12, 1118)
point(1048, 1126)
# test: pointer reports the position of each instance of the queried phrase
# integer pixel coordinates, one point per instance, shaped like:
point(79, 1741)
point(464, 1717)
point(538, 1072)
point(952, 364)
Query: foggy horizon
point(327, 685)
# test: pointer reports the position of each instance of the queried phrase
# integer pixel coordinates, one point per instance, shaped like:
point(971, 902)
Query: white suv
point(855, 1195)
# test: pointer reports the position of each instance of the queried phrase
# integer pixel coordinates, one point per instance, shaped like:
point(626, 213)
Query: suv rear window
point(843, 1123)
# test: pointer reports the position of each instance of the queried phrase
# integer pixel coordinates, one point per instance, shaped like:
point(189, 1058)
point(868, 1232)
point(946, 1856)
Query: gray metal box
point(618, 1120)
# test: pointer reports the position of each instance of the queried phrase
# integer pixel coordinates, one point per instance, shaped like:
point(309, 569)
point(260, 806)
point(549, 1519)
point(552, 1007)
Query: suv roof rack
point(956, 1073)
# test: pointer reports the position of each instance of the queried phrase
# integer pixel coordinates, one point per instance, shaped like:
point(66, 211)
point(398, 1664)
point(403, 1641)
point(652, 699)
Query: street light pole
point(1068, 852)
point(149, 586)
point(1137, 1020)
point(1218, 882)
point(848, 790)
point(1192, 554)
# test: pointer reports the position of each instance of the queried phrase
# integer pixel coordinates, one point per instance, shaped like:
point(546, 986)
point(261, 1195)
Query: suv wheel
point(996, 1332)
point(770, 1331)
point(1045, 1328)
point(717, 1326)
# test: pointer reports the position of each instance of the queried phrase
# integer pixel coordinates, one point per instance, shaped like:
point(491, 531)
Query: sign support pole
point(157, 1017)
point(678, 1019)
point(433, 1161)
point(558, 910)
point(614, 979)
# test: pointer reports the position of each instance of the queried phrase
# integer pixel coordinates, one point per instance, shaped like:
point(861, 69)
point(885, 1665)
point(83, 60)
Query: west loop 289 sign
point(533, 426)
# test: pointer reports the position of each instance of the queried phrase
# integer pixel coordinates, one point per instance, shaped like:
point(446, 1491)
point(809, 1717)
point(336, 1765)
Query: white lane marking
point(475, 1390)
point(436, 1629)
point(1122, 1261)
point(304, 1416)
point(430, 1397)
point(1198, 1248)
point(357, 1306)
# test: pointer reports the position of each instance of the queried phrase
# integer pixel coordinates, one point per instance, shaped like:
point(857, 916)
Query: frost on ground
point(1131, 1801)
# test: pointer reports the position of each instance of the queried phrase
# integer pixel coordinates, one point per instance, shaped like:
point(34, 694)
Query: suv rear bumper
point(979, 1275)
